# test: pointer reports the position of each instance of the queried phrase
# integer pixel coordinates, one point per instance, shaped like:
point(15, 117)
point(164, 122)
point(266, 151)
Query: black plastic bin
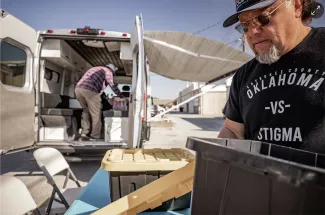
point(124, 183)
point(248, 177)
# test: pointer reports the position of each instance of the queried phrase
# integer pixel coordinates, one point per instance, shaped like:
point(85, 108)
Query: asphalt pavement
point(184, 125)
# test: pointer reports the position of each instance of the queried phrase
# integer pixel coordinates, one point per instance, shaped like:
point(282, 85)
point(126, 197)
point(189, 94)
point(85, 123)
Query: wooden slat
point(76, 47)
point(116, 58)
point(100, 52)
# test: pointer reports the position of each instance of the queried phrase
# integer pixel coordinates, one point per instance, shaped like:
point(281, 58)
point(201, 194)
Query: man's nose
point(254, 29)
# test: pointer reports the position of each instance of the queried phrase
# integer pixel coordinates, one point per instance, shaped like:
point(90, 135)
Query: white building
point(210, 103)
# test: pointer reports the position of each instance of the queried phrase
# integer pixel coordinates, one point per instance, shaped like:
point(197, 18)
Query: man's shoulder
point(320, 29)
point(97, 70)
point(319, 32)
point(93, 69)
point(245, 69)
point(314, 44)
point(105, 69)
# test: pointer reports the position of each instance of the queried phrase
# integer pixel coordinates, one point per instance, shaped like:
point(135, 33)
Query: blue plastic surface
point(96, 195)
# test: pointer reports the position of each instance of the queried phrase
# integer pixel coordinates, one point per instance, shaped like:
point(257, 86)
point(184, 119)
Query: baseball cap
point(246, 5)
point(112, 66)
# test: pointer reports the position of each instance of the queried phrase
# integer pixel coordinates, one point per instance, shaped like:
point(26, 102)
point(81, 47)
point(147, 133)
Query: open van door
point(138, 84)
point(18, 46)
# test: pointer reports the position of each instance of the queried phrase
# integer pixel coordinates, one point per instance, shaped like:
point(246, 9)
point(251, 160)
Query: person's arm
point(109, 82)
point(116, 90)
point(232, 130)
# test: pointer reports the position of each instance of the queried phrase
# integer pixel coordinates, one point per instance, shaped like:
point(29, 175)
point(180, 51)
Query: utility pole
point(242, 38)
point(243, 41)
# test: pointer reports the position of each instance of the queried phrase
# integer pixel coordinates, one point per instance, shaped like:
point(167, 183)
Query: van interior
point(62, 64)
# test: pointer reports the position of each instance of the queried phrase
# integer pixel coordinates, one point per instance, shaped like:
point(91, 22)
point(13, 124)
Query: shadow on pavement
point(18, 162)
point(207, 124)
point(22, 164)
point(85, 170)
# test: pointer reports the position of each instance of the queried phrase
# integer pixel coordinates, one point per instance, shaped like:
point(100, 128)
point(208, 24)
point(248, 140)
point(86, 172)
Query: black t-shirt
point(283, 103)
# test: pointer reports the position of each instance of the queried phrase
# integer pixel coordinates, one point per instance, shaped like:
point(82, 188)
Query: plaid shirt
point(97, 78)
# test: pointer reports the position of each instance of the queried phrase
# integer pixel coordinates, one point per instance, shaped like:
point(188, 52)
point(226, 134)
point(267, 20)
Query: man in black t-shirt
point(279, 96)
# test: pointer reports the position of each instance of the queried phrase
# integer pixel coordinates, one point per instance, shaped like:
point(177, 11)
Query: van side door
point(138, 84)
point(18, 46)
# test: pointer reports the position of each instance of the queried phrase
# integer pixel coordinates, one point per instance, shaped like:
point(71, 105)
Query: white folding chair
point(52, 162)
point(15, 198)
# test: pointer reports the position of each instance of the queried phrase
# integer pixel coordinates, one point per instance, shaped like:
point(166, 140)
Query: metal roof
point(98, 56)
point(188, 57)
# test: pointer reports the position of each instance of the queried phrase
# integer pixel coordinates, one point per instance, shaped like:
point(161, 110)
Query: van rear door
point(18, 46)
point(138, 84)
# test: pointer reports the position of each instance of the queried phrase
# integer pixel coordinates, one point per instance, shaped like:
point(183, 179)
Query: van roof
point(86, 31)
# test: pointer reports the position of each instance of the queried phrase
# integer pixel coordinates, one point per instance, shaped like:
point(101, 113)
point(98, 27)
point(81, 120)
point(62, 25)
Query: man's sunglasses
point(260, 20)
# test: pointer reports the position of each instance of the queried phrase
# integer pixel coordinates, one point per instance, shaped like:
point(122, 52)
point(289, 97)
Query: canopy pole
point(216, 84)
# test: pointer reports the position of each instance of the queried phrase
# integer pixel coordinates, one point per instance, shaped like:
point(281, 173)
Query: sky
point(203, 17)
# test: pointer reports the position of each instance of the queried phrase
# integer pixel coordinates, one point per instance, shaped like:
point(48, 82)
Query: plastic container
point(115, 113)
point(120, 104)
point(244, 177)
point(132, 169)
point(116, 129)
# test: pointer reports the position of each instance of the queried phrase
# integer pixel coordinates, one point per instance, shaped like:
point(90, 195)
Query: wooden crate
point(137, 160)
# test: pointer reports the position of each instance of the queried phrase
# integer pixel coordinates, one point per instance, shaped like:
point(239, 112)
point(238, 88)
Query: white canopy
point(188, 57)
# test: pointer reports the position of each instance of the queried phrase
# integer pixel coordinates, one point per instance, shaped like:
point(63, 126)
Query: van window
point(13, 64)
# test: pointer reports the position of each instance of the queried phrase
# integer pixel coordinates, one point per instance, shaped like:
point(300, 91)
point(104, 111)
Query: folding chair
point(52, 162)
point(15, 198)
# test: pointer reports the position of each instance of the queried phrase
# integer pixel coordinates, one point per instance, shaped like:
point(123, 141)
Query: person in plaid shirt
point(88, 92)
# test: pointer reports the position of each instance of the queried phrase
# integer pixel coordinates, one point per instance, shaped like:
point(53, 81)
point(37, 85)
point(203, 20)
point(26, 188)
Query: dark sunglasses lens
point(263, 19)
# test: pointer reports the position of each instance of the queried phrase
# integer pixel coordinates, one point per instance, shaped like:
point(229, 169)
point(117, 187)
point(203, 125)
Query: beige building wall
point(212, 103)
point(183, 96)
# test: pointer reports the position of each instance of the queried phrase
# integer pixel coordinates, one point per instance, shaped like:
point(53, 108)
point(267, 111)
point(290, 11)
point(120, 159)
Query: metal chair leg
point(61, 196)
point(66, 179)
point(74, 177)
point(49, 205)
point(37, 212)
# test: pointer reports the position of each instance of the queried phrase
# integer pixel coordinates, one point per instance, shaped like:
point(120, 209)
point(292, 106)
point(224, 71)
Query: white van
point(39, 71)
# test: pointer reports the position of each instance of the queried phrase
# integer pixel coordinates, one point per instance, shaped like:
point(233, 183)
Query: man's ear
point(298, 6)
